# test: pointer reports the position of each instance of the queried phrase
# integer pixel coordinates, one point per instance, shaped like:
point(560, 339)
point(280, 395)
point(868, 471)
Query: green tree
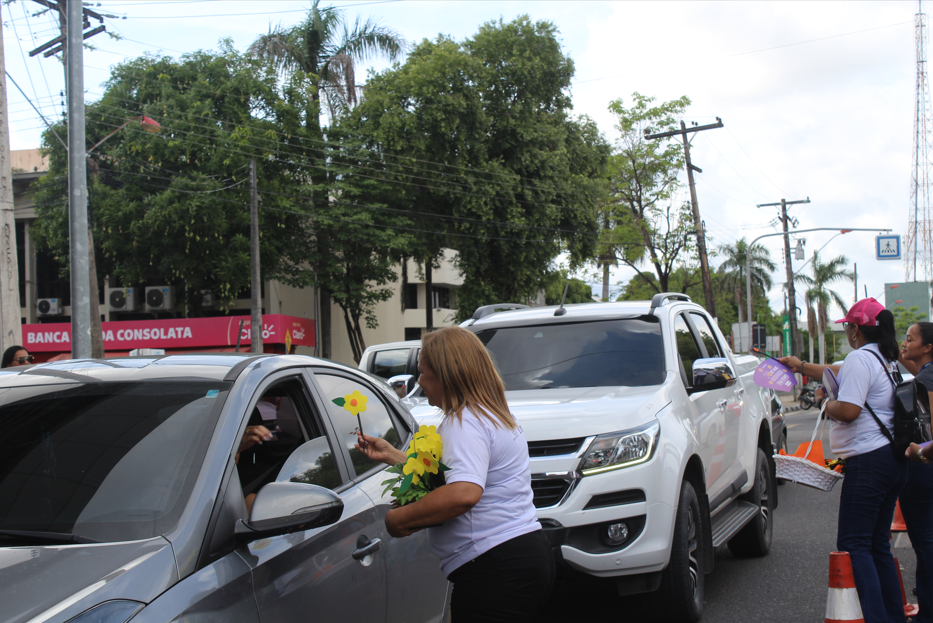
point(324, 48)
point(475, 142)
point(904, 317)
point(818, 292)
point(172, 208)
point(733, 272)
point(639, 222)
point(577, 290)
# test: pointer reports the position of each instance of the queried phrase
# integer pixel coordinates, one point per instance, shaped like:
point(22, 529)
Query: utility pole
point(10, 319)
point(791, 293)
point(77, 186)
point(855, 280)
point(255, 326)
point(701, 236)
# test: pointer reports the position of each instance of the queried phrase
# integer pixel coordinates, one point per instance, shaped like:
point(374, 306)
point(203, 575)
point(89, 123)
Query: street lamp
point(146, 123)
point(792, 305)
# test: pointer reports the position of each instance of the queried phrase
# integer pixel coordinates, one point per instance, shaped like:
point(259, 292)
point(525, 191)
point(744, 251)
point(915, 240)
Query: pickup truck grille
point(549, 492)
point(554, 447)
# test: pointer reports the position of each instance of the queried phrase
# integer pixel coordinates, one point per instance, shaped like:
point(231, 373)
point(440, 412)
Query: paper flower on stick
point(412, 479)
point(355, 403)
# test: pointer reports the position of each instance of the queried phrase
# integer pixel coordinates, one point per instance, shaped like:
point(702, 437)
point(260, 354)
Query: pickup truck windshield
point(605, 353)
point(103, 461)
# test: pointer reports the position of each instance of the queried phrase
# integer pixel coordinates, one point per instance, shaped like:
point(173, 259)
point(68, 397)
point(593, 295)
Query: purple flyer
point(775, 375)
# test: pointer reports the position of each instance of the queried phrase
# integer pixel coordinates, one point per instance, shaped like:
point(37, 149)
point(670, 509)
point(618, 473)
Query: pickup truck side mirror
point(712, 373)
point(287, 507)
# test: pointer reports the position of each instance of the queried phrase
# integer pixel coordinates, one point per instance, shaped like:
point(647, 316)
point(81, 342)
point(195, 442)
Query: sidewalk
point(789, 402)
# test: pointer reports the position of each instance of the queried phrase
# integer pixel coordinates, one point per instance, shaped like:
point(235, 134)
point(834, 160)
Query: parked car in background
point(393, 359)
point(650, 445)
point(124, 490)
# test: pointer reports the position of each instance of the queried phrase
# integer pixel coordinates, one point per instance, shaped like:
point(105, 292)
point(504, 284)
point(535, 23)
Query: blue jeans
point(866, 508)
point(917, 507)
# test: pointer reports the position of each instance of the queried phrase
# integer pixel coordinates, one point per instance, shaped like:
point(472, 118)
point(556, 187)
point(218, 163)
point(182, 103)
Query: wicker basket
point(804, 471)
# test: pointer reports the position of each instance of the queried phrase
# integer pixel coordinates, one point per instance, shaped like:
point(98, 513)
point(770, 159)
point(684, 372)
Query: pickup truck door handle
point(722, 403)
point(365, 547)
point(740, 391)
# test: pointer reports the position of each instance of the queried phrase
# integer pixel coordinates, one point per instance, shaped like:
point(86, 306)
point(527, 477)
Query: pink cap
point(864, 313)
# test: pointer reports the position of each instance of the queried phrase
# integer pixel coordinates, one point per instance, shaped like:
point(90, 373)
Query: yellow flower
point(355, 403)
point(414, 466)
point(427, 440)
point(428, 462)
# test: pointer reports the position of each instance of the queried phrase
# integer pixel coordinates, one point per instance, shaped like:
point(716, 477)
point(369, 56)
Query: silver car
point(124, 488)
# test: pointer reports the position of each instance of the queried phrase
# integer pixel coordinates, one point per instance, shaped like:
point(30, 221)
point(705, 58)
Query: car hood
point(566, 413)
point(57, 582)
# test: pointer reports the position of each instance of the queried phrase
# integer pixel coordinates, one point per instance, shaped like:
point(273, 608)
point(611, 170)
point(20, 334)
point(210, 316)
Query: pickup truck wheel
point(680, 596)
point(782, 446)
point(755, 538)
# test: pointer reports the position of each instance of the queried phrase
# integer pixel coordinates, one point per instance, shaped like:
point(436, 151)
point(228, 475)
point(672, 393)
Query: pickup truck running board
point(731, 519)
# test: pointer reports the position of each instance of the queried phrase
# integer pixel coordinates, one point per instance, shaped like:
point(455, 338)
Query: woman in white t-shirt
point(874, 474)
point(482, 522)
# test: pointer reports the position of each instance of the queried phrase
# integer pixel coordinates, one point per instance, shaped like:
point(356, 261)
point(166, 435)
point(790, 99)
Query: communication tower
point(918, 260)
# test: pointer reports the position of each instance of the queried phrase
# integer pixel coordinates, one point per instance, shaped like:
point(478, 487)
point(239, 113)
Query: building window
point(413, 333)
point(440, 298)
point(411, 295)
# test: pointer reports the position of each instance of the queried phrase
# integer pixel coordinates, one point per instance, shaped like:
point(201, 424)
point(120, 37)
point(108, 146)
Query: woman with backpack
point(862, 421)
point(917, 496)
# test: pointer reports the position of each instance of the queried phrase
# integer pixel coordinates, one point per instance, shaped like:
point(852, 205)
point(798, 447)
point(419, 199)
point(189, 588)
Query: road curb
point(792, 408)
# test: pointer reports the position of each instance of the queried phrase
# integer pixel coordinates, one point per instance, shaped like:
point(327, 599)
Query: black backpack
point(911, 412)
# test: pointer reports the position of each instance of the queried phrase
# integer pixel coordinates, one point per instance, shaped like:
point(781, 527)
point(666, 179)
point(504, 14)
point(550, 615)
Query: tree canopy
point(474, 140)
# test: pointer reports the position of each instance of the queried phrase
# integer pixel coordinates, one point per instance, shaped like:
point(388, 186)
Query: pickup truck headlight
point(621, 449)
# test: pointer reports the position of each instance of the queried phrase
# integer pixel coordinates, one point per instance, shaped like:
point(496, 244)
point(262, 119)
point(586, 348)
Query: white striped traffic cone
point(842, 604)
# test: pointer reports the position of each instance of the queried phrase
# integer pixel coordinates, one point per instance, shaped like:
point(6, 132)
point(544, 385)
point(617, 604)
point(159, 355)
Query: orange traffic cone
point(910, 610)
point(898, 524)
point(842, 604)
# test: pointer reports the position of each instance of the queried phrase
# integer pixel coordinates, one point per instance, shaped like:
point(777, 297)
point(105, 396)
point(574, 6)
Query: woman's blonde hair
point(468, 376)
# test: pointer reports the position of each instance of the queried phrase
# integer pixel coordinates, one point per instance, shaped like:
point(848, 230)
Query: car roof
point(202, 367)
point(579, 312)
point(391, 345)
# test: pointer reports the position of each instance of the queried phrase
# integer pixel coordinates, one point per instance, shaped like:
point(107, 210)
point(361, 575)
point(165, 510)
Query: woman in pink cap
point(861, 432)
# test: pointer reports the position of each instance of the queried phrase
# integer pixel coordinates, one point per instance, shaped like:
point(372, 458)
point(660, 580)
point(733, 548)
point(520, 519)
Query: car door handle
point(366, 547)
point(740, 391)
point(722, 404)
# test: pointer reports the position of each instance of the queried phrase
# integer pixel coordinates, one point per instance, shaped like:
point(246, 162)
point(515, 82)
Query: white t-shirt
point(863, 379)
point(496, 459)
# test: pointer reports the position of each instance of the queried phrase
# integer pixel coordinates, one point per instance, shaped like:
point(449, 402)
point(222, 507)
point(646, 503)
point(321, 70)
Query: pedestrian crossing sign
point(888, 247)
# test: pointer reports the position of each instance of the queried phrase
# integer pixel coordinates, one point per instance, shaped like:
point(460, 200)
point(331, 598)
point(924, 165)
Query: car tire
point(754, 540)
point(782, 446)
point(680, 596)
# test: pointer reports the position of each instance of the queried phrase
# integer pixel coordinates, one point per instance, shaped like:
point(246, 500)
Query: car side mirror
point(712, 373)
point(287, 507)
point(407, 379)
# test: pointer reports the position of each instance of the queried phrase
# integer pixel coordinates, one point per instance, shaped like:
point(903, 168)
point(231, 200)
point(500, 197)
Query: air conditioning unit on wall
point(49, 307)
point(160, 298)
point(123, 299)
point(207, 299)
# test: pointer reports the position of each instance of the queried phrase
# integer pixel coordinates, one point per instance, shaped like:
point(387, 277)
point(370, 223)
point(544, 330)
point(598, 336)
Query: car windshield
point(103, 461)
point(581, 354)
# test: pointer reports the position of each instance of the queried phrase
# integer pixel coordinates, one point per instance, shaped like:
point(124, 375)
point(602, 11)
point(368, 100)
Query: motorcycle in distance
point(807, 397)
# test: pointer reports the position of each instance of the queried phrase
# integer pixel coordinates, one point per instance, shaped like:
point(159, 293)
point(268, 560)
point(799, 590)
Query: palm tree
point(326, 49)
point(819, 293)
point(733, 271)
point(809, 297)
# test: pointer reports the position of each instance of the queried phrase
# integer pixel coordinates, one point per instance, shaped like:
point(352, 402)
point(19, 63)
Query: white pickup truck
point(650, 444)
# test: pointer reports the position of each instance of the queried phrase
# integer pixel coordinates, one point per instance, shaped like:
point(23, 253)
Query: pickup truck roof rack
point(659, 299)
point(486, 310)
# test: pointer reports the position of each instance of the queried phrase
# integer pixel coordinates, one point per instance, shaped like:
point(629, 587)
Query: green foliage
point(474, 141)
point(819, 296)
point(732, 270)
point(578, 292)
point(903, 318)
point(174, 206)
point(638, 222)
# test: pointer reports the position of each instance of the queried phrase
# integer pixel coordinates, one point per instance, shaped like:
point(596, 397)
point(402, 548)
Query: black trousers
point(511, 582)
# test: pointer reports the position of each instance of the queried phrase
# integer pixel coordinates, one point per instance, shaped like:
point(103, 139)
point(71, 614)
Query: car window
point(707, 335)
point(339, 395)
point(687, 348)
point(578, 354)
point(312, 463)
point(388, 363)
point(107, 461)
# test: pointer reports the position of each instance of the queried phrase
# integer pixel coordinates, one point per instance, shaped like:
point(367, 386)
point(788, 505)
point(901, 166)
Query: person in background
point(481, 523)
point(15, 356)
point(874, 475)
point(917, 496)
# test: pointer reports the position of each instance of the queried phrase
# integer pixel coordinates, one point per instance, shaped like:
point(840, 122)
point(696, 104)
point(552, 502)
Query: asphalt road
point(789, 584)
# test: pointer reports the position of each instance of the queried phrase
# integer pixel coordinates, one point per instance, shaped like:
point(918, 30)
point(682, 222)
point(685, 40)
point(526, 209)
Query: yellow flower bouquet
point(422, 472)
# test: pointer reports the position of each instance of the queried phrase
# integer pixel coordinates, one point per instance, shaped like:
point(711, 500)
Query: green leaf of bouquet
point(339, 401)
point(406, 483)
point(442, 467)
point(413, 455)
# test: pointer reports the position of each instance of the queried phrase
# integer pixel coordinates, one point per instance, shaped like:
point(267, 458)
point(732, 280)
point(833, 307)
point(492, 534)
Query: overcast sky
point(817, 98)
